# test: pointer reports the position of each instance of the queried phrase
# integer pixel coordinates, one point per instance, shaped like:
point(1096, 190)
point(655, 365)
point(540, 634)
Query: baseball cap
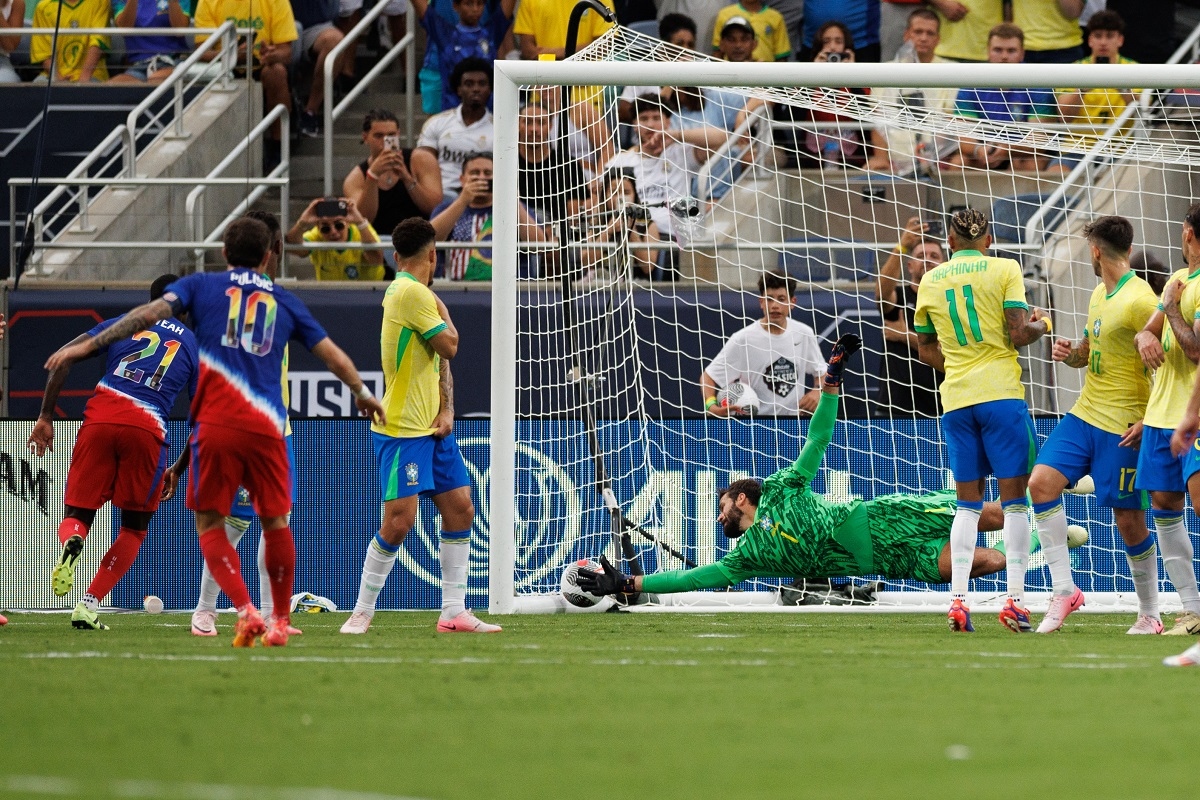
point(738, 22)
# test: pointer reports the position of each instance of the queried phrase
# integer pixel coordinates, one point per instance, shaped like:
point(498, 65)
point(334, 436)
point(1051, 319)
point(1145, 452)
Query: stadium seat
point(1011, 214)
point(818, 264)
point(649, 27)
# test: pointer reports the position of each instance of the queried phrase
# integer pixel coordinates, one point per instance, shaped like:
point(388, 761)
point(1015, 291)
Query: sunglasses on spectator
point(328, 227)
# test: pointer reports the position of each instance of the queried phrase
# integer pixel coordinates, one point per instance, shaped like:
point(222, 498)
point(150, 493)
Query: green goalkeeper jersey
point(797, 531)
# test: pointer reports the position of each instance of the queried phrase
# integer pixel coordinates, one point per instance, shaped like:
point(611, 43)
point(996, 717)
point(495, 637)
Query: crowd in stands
point(571, 168)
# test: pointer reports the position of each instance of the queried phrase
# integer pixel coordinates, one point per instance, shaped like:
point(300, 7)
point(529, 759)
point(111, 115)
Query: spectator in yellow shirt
point(1052, 34)
point(80, 57)
point(770, 31)
point(1099, 107)
point(541, 26)
point(336, 219)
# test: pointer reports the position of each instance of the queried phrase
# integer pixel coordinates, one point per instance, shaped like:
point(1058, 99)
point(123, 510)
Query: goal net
point(624, 273)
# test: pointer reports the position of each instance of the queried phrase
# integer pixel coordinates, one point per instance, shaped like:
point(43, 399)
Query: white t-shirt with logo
point(447, 135)
point(660, 179)
point(773, 364)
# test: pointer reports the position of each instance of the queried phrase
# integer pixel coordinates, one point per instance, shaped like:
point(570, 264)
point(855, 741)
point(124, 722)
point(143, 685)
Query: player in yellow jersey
point(1100, 435)
point(416, 449)
point(971, 317)
point(1170, 345)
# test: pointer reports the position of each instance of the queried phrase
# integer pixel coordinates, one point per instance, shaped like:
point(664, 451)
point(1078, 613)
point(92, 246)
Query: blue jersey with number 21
point(143, 375)
point(243, 322)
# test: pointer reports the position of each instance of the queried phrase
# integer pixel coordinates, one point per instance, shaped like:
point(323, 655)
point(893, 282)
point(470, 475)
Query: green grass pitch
point(596, 707)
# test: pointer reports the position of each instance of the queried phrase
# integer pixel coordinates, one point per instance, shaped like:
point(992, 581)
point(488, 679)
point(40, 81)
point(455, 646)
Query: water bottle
point(907, 54)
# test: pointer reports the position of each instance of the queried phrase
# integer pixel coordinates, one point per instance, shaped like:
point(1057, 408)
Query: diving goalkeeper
point(787, 530)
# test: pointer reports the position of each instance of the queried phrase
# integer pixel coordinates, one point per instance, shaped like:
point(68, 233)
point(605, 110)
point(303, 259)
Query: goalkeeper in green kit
point(784, 529)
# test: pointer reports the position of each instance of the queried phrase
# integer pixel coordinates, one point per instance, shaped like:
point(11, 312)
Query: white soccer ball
point(569, 584)
point(153, 604)
point(739, 394)
point(1077, 536)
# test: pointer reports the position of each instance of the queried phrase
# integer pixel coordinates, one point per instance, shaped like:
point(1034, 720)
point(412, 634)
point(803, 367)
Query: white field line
point(54, 786)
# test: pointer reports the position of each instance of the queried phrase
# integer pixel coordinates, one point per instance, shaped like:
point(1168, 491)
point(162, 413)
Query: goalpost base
point(888, 603)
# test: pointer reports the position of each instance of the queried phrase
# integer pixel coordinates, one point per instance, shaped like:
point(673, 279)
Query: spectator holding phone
point(392, 184)
point(336, 219)
point(1099, 107)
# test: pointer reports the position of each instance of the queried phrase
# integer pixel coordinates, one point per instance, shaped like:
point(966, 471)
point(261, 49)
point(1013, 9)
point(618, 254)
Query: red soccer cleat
point(959, 618)
point(249, 627)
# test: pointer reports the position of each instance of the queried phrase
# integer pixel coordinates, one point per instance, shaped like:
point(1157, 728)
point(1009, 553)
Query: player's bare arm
point(336, 360)
point(175, 472)
point(1149, 341)
point(1026, 327)
point(1184, 436)
point(136, 321)
point(930, 352)
point(1071, 354)
point(443, 423)
point(445, 343)
point(41, 438)
point(1186, 332)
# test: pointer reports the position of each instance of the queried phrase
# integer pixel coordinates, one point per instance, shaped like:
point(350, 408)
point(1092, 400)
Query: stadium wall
point(338, 510)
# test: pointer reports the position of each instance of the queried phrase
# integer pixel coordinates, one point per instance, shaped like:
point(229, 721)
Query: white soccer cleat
point(1146, 625)
point(358, 623)
point(466, 622)
point(1084, 485)
point(1188, 658)
point(1186, 624)
point(1061, 606)
point(204, 623)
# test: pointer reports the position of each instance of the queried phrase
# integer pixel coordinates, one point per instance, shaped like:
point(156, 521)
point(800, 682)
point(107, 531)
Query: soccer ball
point(570, 584)
point(739, 394)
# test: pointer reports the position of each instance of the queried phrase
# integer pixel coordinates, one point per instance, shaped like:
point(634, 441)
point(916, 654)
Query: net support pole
point(502, 544)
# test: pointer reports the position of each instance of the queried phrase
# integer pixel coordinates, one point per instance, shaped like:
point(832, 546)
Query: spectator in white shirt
point(771, 355)
point(457, 133)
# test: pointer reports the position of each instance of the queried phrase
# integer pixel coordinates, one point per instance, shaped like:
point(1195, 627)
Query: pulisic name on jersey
point(243, 278)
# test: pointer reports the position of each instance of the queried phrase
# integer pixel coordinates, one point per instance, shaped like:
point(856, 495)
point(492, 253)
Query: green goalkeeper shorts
point(909, 532)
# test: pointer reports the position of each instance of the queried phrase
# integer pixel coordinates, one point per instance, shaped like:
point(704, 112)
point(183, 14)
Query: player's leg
point(405, 471)
point(268, 479)
point(90, 482)
point(266, 602)
point(987, 561)
point(1161, 474)
point(910, 537)
point(218, 468)
point(113, 566)
point(968, 463)
point(1142, 556)
point(204, 617)
point(1011, 447)
point(452, 496)
point(1178, 555)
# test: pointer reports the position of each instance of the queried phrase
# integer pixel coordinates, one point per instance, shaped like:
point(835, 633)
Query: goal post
point(642, 344)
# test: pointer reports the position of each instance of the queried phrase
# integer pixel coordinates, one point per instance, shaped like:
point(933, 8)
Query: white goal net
point(624, 273)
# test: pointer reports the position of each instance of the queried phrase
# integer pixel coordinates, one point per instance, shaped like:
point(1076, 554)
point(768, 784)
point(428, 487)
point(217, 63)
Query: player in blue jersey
point(242, 321)
point(121, 451)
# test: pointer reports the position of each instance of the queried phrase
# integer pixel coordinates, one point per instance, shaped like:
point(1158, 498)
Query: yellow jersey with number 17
point(1116, 385)
point(410, 364)
point(1172, 385)
point(963, 302)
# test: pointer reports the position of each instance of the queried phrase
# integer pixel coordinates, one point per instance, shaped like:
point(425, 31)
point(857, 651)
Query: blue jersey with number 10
point(243, 322)
point(143, 376)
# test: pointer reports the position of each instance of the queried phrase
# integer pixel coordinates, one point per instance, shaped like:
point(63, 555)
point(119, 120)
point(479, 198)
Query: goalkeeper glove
point(610, 581)
point(846, 346)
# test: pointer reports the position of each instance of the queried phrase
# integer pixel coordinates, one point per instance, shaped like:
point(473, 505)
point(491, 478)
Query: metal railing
point(332, 113)
point(103, 158)
point(194, 204)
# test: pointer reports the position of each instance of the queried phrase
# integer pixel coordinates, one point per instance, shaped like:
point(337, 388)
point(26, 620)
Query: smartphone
point(936, 228)
point(1103, 60)
point(331, 208)
point(391, 143)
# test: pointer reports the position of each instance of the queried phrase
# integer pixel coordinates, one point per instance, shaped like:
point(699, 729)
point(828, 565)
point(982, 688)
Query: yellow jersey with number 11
point(1172, 385)
point(963, 303)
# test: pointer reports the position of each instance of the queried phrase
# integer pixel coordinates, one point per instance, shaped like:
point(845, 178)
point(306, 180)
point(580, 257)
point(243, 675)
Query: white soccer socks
point(377, 565)
point(964, 532)
point(1177, 554)
point(1052, 529)
point(454, 553)
point(1017, 539)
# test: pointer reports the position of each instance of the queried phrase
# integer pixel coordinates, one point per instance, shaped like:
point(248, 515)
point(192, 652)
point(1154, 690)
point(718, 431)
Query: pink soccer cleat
point(959, 618)
point(1146, 625)
point(1188, 658)
point(466, 622)
point(1061, 606)
point(1015, 618)
point(204, 623)
point(249, 627)
point(290, 630)
point(277, 634)
point(3, 620)
point(358, 623)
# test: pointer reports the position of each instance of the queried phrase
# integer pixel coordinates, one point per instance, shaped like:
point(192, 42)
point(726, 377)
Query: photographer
point(617, 213)
point(468, 219)
point(334, 219)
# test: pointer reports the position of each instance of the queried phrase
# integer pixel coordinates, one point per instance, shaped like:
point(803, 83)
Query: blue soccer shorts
point(992, 438)
point(1157, 469)
point(243, 506)
point(420, 465)
point(1077, 448)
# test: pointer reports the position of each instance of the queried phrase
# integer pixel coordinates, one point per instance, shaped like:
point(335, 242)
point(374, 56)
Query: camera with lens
point(638, 216)
point(834, 58)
